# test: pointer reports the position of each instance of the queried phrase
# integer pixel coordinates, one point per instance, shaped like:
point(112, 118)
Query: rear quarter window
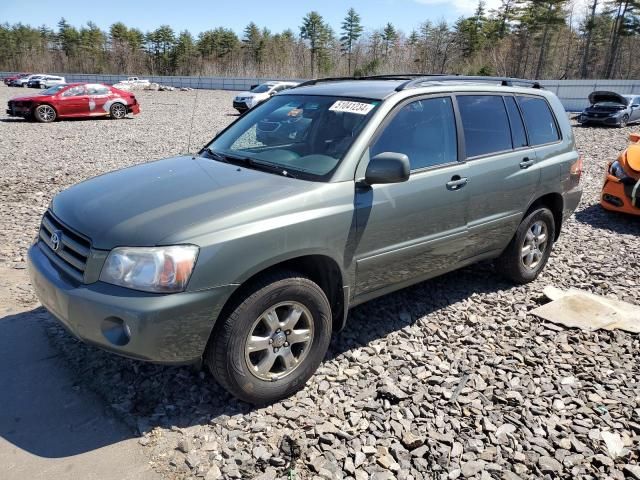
point(539, 120)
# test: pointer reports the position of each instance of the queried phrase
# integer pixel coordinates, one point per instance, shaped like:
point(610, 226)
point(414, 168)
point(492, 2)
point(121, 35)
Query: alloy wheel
point(534, 245)
point(118, 110)
point(279, 341)
point(47, 113)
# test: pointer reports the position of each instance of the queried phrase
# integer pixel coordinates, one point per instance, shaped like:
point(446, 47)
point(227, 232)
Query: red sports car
point(74, 100)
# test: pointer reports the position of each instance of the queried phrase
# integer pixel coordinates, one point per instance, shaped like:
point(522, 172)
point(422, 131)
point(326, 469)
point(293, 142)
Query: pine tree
point(389, 37)
point(317, 33)
point(351, 32)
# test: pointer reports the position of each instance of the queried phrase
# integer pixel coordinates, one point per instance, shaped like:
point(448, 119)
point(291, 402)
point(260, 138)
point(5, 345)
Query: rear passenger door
point(502, 167)
point(417, 228)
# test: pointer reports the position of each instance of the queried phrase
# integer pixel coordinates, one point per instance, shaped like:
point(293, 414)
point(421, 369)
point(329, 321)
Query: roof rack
point(393, 76)
point(504, 81)
point(414, 80)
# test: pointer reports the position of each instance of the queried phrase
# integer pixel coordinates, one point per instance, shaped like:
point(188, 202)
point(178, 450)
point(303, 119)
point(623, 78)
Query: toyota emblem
point(55, 241)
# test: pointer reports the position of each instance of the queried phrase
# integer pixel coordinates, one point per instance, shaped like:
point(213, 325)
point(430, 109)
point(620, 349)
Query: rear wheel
point(45, 113)
point(529, 250)
point(118, 111)
point(273, 340)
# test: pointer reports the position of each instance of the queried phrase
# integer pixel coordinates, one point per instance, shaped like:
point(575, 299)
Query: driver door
point(416, 229)
point(74, 101)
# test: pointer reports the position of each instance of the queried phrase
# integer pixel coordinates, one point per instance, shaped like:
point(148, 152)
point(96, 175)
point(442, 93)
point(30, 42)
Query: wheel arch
point(320, 268)
point(555, 203)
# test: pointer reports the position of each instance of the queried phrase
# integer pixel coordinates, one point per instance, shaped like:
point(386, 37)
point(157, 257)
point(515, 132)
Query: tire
point(45, 113)
point(234, 361)
point(624, 121)
point(512, 263)
point(118, 111)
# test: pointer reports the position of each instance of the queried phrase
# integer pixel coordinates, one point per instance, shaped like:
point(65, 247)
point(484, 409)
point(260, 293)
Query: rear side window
point(541, 125)
point(485, 124)
point(518, 135)
point(424, 130)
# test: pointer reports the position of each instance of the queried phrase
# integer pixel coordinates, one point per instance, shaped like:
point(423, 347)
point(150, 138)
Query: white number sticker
point(351, 107)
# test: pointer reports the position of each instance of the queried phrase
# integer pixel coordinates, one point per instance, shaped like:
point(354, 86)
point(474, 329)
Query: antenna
point(195, 104)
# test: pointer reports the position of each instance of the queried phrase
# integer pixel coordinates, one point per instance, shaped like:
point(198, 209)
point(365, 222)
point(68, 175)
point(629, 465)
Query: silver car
point(610, 108)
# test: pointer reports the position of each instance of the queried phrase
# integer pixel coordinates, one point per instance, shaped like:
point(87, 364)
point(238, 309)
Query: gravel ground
point(450, 378)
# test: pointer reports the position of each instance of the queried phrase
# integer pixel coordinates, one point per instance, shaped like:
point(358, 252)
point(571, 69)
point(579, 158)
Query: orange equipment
point(621, 190)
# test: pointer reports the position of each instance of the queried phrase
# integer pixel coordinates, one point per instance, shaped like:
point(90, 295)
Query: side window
point(424, 130)
point(97, 90)
point(518, 135)
point(541, 124)
point(74, 91)
point(485, 124)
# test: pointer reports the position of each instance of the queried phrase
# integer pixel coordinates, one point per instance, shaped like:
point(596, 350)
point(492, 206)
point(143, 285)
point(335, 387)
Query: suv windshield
point(52, 90)
point(304, 134)
point(262, 88)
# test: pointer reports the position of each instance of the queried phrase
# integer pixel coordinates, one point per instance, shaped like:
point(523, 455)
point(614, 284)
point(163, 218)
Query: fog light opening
point(116, 331)
point(613, 200)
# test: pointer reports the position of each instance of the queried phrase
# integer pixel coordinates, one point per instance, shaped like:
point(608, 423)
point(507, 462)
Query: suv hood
point(145, 204)
point(604, 96)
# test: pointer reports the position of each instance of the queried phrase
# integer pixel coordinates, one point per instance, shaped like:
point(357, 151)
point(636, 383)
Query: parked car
point(247, 100)
point(74, 100)
point(21, 81)
point(610, 108)
point(47, 81)
point(250, 254)
point(621, 189)
point(34, 81)
point(135, 81)
point(10, 79)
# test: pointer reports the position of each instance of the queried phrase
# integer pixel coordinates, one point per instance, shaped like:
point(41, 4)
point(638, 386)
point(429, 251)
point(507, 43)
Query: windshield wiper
point(249, 162)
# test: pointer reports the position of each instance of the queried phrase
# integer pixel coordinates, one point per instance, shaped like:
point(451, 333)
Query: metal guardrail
point(572, 93)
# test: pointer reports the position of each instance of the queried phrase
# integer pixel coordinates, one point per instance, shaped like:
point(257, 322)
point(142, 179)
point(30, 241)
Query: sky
point(200, 15)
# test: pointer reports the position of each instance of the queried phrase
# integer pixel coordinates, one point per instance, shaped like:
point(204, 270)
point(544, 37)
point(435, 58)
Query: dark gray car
point(610, 108)
point(249, 254)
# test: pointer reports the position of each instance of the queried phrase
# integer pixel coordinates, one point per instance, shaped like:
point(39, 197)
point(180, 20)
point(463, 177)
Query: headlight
point(617, 171)
point(150, 269)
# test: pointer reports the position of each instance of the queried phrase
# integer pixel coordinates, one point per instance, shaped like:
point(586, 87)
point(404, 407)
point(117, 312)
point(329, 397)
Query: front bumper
point(587, 119)
point(19, 111)
point(241, 106)
point(615, 198)
point(168, 329)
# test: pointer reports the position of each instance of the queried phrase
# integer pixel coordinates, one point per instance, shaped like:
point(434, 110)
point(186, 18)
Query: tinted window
point(424, 130)
point(485, 124)
point(518, 136)
point(539, 120)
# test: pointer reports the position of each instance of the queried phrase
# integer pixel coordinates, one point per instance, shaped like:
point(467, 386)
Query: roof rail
point(392, 76)
point(504, 81)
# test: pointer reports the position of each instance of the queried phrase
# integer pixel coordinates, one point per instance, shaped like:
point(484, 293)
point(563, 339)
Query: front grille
point(67, 249)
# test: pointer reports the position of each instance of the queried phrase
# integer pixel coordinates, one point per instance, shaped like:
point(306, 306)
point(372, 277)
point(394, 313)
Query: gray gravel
point(451, 378)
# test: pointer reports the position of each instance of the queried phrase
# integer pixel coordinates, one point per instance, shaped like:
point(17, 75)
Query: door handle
point(526, 162)
point(457, 182)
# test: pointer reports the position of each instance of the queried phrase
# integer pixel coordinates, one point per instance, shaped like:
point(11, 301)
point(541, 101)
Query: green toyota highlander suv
point(249, 254)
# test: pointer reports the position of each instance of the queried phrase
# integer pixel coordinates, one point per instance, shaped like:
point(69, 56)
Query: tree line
point(522, 38)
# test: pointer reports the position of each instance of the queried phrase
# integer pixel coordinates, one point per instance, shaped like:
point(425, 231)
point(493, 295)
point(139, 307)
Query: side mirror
point(387, 167)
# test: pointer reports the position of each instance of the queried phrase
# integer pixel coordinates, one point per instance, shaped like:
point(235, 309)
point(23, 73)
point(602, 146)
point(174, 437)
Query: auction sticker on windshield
point(351, 107)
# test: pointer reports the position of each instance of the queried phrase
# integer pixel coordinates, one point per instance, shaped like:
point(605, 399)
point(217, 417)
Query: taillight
point(576, 168)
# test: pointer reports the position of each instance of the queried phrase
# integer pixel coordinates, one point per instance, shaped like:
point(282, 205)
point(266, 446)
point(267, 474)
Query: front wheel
point(624, 121)
point(530, 248)
point(273, 339)
point(45, 113)
point(118, 111)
